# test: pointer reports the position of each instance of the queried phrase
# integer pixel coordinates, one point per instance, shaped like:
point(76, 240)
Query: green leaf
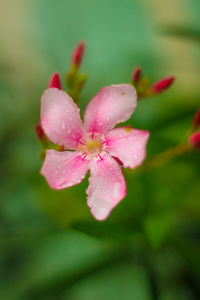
point(121, 282)
point(107, 229)
point(157, 228)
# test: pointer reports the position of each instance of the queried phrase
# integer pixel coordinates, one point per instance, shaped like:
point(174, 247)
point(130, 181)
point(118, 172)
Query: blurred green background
point(50, 246)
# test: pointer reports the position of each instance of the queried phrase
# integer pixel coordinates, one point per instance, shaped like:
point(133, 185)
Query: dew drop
point(116, 191)
point(63, 125)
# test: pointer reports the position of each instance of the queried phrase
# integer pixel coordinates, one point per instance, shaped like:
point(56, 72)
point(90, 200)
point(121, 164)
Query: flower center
point(91, 145)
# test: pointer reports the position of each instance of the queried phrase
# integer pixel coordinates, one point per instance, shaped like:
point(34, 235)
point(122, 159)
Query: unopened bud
point(136, 75)
point(162, 85)
point(196, 120)
point(40, 132)
point(55, 82)
point(77, 54)
point(195, 140)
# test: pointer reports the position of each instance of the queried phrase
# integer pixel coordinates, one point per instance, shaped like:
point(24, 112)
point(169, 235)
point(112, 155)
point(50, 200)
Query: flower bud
point(196, 120)
point(194, 140)
point(77, 54)
point(136, 75)
point(55, 82)
point(162, 85)
point(40, 132)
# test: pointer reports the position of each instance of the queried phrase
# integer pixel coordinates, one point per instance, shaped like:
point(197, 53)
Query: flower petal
point(64, 169)
point(106, 187)
point(113, 104)
point(60, 118)
point(128, 145)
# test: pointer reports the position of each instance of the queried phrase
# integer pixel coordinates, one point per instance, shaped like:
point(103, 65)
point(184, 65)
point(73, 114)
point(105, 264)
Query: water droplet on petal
point(116, 191)
point(63, 125)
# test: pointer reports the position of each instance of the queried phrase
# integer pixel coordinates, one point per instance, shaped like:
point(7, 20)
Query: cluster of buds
point(145, 89)
point(74, 80)
point(194, 138)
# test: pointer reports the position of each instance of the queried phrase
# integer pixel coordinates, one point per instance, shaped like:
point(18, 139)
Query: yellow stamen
point(93, 145)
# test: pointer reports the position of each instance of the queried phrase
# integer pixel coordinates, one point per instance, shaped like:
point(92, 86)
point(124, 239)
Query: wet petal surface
point(107, 186)
point(60, 118)
point(113, 104)
point(128, 145)
point(64, 169)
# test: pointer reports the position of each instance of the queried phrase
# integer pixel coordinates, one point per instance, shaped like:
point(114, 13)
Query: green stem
point(165, 156)
point(75, 82)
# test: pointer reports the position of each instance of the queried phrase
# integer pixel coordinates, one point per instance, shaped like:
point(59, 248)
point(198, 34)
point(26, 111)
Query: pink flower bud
point(136, 75)
point(40, 132)
point(196, 119)
point(195, 140)
point(77, 54)
point(55, 82)
point(162, 85)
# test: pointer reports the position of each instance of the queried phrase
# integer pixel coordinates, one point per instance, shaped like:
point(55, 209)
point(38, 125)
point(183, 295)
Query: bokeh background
point(50, 246)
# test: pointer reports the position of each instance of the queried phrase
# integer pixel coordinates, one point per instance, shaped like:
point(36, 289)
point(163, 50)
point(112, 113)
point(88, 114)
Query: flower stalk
point(165, 156)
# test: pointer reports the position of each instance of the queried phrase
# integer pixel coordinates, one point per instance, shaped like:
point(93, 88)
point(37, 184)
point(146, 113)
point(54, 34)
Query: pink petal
point(60, 118)
point(107, 187)
point(128, 145)
point(113, 104)
point(64, 169)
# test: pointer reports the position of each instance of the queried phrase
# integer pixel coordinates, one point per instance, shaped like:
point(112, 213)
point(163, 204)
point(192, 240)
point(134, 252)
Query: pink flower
point(96, 144)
